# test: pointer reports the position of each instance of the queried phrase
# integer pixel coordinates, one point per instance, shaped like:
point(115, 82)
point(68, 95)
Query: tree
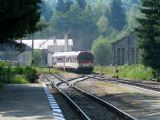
point(74, 22)
point(60, 6)
point(103, 24)
point(82, 4)
point(117, 15)
point(133, 14)
point(68, 4)
point(18, 18)
point(38, 59)
point(149, 33)
point(46, 10)
point(102, 51)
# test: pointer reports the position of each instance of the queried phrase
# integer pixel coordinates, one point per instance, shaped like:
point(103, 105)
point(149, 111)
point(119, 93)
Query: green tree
point(149, 33)
point(82, 4)
point(74, 22)
point(18, 18)
point(103, 24)
point(131, 19)
point(38, 58)
point(46, 10)
point(68, 4)
point(102, 51)
point(117, 17)
point(60, 6)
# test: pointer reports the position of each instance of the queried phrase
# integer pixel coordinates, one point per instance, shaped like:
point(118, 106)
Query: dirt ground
point(140, 103)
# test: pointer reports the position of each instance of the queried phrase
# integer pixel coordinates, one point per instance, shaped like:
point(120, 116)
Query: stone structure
point(125, 50)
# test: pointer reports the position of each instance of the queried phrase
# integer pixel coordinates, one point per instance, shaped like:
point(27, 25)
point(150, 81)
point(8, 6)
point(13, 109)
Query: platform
point(24, 102)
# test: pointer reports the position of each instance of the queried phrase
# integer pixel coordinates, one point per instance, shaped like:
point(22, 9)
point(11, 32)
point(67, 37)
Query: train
point(79, 61)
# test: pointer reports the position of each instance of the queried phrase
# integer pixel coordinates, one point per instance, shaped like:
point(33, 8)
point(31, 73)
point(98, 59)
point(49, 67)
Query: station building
point(125, 50)
point(47, 47)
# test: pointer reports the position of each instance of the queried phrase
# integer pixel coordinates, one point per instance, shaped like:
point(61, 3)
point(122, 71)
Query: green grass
point(138, 72)
point(19, 79)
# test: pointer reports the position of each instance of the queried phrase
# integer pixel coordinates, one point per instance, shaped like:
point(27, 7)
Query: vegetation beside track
point(16, 74)
point(138, 72)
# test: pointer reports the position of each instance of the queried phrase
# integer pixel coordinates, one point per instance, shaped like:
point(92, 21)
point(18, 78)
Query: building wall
point(25, 58)
point(125, 51)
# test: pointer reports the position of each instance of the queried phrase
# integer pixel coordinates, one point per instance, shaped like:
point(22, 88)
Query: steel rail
point(107, 104)
point(72, 103)
point(128, 83)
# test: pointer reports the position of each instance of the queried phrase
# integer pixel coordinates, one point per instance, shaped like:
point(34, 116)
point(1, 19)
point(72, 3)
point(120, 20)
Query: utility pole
point(66, 42)
point(32, 62)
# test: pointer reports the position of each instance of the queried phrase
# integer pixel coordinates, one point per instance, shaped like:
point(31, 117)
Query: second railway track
point(151, 86)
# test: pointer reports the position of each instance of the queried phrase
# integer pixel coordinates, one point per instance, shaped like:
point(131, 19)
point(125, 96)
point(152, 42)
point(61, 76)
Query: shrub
point(30, 74)
point(19, 79)
point(139, 72)
point(18, 70)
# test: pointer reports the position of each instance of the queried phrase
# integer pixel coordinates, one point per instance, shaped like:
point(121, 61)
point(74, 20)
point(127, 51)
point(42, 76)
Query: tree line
point(84, 20)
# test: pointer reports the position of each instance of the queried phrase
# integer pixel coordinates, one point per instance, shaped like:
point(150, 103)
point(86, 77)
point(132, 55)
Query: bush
point(135, 72)
point(18, 70)
point(19, 79)
point(31, 74)
point(17, 75)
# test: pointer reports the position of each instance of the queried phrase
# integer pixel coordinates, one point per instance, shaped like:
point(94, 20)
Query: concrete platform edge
point(56, 111)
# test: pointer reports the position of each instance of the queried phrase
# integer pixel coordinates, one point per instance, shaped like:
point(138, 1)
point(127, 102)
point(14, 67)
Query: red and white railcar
point(82, 61)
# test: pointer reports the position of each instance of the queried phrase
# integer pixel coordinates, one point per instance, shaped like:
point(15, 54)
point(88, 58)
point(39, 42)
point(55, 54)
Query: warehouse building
point(125, 50)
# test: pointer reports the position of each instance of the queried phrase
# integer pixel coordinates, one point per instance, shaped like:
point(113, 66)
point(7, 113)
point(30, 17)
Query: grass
point(19, 79)
point(138, 72)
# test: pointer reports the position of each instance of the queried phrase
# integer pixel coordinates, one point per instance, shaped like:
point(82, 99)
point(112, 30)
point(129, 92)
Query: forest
point(88, 20)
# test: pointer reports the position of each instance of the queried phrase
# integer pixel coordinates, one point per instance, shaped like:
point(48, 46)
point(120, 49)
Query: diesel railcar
point(81, 61)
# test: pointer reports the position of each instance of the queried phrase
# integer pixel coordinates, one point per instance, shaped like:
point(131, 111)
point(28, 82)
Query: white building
point(50, 46)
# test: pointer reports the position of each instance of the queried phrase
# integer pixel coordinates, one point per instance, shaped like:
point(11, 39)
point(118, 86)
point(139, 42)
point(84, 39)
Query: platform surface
point(24, 102)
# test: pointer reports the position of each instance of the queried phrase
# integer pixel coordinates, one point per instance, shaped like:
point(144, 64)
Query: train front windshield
point(86, 58)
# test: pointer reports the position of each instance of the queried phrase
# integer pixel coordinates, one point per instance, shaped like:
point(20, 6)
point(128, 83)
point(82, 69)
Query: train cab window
point(86, 58)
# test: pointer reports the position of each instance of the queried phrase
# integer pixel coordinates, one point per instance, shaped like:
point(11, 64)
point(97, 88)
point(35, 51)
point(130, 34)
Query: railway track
point(151, 86)
point(88, 106)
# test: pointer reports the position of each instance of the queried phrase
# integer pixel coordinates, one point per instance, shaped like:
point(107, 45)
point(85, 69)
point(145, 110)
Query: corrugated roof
point(44, 43)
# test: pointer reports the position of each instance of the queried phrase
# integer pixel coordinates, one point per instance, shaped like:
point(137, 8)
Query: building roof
point(127, 35)
point(44, 43)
